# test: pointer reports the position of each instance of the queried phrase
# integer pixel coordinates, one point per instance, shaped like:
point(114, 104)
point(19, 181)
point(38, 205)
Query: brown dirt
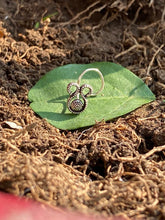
point(113, 168)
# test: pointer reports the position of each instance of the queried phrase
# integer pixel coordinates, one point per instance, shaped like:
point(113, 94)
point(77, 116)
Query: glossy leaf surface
point(123, 92)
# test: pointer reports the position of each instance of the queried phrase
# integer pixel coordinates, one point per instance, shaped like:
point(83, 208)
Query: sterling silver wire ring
point(74, 103)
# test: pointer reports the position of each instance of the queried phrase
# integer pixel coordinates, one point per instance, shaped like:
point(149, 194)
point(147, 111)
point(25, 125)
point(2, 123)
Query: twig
point(91, 13)
point(22, 131)
point(149, 26)
point(163, 15)
point(13, 147)
point(128, 50)
point(151, 3)
point(153, 58)
point(130, 4)
point(149, 118)
point(136, 15)
point(160, 84)
point(79, 14)
point(154, 150)
point(147, 38)
point(30, 48)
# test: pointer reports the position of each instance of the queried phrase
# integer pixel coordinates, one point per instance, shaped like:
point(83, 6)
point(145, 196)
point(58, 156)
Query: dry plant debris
point(113, 168)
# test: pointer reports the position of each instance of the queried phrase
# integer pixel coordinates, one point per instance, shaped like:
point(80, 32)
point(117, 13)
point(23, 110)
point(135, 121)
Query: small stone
point(161, 75)
point(76, 105)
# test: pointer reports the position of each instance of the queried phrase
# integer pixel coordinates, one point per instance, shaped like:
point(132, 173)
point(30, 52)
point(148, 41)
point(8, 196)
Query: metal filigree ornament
point(77, 101)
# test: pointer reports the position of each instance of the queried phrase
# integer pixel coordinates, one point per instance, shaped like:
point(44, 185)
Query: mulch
point(111, 168)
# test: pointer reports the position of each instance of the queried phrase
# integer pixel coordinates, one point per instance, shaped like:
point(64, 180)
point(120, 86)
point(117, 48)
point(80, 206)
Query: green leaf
point(49, 16)
point(37, 25)
point(123, 92)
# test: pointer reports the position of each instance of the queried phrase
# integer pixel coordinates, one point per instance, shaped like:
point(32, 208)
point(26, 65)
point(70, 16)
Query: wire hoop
point(101, 76)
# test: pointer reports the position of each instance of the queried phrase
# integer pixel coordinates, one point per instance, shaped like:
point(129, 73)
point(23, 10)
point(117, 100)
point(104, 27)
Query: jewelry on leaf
point(75, 104)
